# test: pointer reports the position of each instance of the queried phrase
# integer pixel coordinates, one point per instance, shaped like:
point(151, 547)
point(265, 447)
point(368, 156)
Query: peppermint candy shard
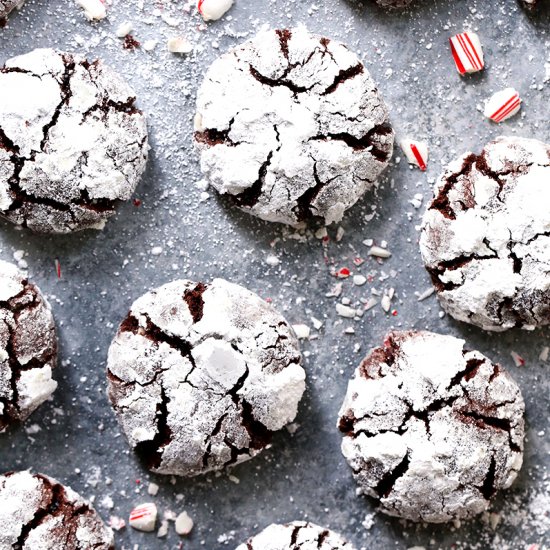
point(503, 105)
point(467, 52)
point(144, 517)
point(416, 152)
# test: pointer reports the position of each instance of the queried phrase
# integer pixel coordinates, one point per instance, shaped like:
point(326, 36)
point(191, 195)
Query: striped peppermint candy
point(467, 52)
point(416, 152)
point(212, 10)
point(503, 105)
point(144, 517)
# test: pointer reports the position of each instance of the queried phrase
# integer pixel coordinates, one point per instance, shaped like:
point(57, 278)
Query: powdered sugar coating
point(28, 347)
point(486, 236)
point(38, 513)
point(297, 535)
point(200, 375)
point(72, 143)
point(292, 126)
point(7, 6)
point(431, 430)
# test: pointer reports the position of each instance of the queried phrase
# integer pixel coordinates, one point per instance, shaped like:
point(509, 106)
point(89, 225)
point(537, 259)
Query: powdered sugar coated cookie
point(431, 430)
point(201, 375)
point(28, 347)
point(486, 236)
point(292, 126)
point(72, 143)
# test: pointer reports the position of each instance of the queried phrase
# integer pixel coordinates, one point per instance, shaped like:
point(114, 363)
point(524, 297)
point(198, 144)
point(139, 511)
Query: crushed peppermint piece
point(117, 523)
point(124, 29)
point(58, 268)
point(467, 52)
point(302, 331)
point(153, 489)
point(163, 529)
point(316, 323)
point(544, 353)
point(343, 273)
point(94, 10)
point(178, 44)
point(502, 105)
point(359, 280)
point(144, 517)
point(385, 302)
point(339, 234)
point(426, 294)
point(416, 152)
point(518, 359)
point(345, 311)
point(150, 45)
point(184, 524)
point(272, 260)
point(379, 252)
point(212, 10)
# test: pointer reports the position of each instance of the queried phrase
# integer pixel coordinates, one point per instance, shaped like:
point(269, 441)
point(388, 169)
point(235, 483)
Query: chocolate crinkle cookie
point(200, 375)
point(72, 143)
point(430, 430)
point(486, 236)
point(28, 347)
point(291, 126)
point(37, 512)
point(298, 535)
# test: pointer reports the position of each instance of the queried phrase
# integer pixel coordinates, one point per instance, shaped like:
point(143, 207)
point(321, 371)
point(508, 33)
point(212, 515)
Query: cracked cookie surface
point(485, 238)
point(200, 375)
point(7, 6)
point(72, 143)
point(430, 430)
point(297, 535)
point(291, 126)
point(37, 512)
point(28, 347)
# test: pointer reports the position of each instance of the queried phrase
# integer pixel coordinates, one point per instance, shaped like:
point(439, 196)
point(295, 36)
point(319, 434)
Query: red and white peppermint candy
point(467, 52)
point(503, 105)
point(416, 152)
point(212, 10)
point(144, 517)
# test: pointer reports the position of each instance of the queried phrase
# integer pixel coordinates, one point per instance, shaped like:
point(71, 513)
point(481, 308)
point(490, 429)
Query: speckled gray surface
point(304, 475)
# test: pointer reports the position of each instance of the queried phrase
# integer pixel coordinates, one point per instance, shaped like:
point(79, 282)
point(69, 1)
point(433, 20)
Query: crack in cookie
point(430, 430)
point(272, 132)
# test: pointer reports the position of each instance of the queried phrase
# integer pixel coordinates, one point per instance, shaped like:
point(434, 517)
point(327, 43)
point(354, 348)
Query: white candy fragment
point(379, 252)
point(544, 353)
point(359, 280)
point(179, 44)
point(153, 489)
point(144, 517)
point(184, 524)
point(345, 311)
point(163, 529)
point(502, 105)
point(467, 52)
point(124, 29)
point(212, 10)
point(94, 10)
point(416, 152)
point(302, 331)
